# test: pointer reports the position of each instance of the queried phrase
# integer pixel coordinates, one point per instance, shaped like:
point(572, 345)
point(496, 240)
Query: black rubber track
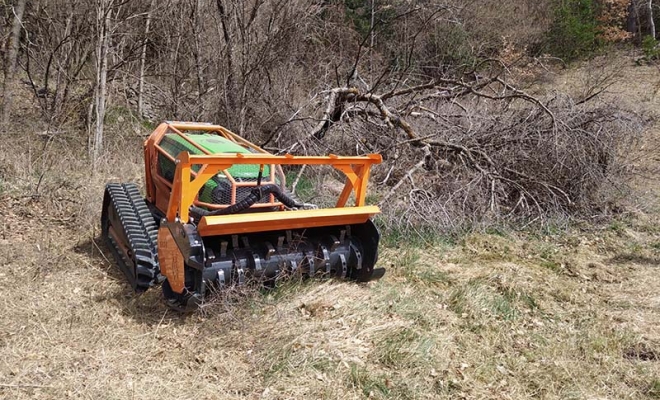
point(125, 209)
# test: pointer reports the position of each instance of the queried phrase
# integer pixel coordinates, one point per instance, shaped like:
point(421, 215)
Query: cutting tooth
point(310, 261)
point(241, 277)
point(257, 262)
point(270, 252)
point(221, 278)
point(326, 259)
point(335, 243)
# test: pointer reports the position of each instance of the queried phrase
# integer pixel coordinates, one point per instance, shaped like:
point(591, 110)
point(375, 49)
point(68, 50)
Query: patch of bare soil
point(500, 315)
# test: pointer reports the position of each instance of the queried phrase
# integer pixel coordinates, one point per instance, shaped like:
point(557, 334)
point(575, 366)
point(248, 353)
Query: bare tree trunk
point(649, 18)
point(10, 62)
point(103, 23)
point(632, 22)
point(198, 50)
point(57, 102)
point(231, 87)
point(371, 41)
point(143, 60)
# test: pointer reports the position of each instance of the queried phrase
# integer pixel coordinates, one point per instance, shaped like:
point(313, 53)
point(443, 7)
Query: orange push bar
point(356, 169)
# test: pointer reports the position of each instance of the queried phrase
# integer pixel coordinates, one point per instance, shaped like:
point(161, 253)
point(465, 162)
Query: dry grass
point(499, 315)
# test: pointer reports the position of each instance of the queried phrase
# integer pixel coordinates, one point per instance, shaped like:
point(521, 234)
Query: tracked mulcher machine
point(217, 214)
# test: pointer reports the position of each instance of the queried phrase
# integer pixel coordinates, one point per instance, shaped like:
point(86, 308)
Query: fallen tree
point(460, 152)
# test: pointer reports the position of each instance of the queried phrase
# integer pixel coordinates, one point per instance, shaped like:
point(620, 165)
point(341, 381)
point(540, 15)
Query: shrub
point(583, 26)
point(650, 48)
point(574, 32)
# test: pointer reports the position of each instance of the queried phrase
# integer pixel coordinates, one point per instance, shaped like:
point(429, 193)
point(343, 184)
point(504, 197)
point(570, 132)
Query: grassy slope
point(572, 315)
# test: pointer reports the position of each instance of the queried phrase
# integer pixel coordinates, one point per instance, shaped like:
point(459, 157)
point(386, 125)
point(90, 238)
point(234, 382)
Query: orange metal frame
point(158, 188)
point(187, 184)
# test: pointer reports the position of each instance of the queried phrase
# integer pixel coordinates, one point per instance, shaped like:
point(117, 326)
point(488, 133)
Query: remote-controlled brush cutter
point(217, 214)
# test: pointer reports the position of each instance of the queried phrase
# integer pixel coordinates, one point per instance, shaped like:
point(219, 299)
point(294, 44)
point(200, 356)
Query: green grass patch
point(488, 247)
point(619, 227)
point(305, 187)
point(404, 348)
point(409, 265)
point(654, 389)
point(496, 231)
point(371, 199)
point(396, 236)
point(551, 265)
point(479, 298)
point(293, 358)
point(370, 384)
point(286, 288)
point(280, 362)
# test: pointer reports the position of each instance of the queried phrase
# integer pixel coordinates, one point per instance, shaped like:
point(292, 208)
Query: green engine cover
point(174, 144)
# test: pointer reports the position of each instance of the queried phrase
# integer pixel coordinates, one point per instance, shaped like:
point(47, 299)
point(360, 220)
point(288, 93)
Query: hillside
point(559, 314)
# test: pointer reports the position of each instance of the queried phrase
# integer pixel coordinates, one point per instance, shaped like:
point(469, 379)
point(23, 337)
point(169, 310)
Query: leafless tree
point(11, 58)
point(640, 19)
point(54, 56)
point(103, 20)
point(649, 18)
point(143, 59)
point(114, 49)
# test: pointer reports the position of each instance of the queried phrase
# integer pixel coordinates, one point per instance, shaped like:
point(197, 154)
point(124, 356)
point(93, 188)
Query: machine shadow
point(147, 307)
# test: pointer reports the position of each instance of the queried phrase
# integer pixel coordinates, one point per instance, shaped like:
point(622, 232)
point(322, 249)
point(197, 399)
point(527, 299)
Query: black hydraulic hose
point(255, 195)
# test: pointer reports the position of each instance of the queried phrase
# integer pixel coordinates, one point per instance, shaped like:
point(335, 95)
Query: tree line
point(428, 84)
point(248, 62)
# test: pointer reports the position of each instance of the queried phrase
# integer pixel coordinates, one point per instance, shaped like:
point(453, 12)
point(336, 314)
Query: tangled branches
point(461, 151)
